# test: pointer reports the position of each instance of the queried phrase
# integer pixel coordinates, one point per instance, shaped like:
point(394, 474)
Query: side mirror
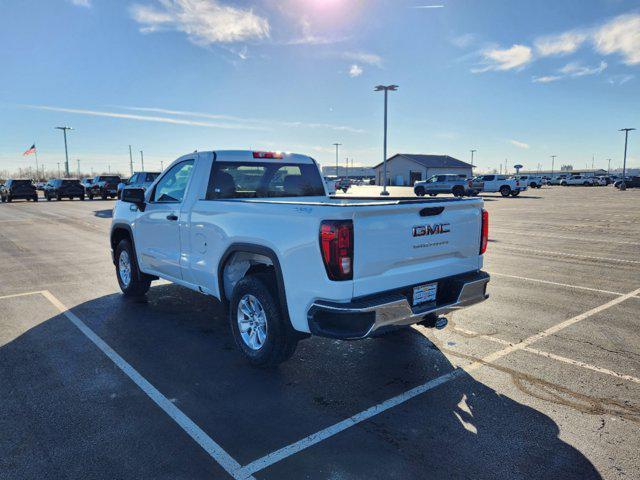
point(134, 195)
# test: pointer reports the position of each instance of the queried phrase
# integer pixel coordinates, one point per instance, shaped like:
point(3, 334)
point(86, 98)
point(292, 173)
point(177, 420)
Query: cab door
point(158, 227)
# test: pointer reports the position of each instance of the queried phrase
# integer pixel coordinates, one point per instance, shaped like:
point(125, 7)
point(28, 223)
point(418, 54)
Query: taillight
point(267, 155)
point(469, 183)
point(336, 244)
point(517, 183)
point(484, 235)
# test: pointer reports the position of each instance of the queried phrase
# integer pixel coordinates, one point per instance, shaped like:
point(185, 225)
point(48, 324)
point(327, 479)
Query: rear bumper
point(363, 316)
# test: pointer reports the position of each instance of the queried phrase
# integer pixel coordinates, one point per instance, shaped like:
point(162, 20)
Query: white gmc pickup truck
point(258, 231)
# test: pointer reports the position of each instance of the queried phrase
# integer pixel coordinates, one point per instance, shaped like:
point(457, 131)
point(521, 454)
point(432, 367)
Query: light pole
point(130, 161)
point(385, 89)
point(59, 170)
point(472, 152)
point(609, 166)
point(142, 160)
point(78, 160)
point(624, 161)
point(66, 151)
point(337, 145)
point(346, 172)
point(553, 161)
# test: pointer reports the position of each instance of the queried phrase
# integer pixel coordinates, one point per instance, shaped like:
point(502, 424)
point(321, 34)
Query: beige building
point(407, 168)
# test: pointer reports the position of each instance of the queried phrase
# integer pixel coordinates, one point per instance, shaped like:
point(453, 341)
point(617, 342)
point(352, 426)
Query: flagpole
point(37, 171)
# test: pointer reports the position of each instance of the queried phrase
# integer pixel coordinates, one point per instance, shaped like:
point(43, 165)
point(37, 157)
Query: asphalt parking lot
point(540, 381)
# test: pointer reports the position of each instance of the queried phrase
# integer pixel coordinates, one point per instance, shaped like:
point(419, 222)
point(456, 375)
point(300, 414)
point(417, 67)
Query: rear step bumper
point(363, 316)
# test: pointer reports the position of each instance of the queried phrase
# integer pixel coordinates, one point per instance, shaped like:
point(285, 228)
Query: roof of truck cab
point(247, 156)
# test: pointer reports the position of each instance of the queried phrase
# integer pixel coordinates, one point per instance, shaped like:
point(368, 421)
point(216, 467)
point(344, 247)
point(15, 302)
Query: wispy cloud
point(620, 79)
point(364, 57)
point(267, 122)
point(512, 58)
point(310, 37)
point(562, 44)
point(572, 70)
point(205, 22)
point(519, 144)
point(355, 71)
point(81, 3)
point(463, 41)
point(621, 36)
point(576, 69)
point(147, 118)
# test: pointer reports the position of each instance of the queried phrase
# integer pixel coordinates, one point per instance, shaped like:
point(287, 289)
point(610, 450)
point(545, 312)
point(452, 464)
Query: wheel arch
point(119, 232)
point(259, 251)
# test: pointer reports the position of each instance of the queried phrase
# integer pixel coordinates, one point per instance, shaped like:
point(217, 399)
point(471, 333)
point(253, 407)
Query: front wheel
point(258, 325)
point(132, 281)
point(420, 191)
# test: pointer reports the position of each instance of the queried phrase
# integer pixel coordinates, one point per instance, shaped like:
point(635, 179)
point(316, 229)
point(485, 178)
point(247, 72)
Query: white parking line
point(552, 356)
point(548, 282)
point(529, 233)
point(569, 255)
point(14, 295)
point(317, 437)
point(196, 433)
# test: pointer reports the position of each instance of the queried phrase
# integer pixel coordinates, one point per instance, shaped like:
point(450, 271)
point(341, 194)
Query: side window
point(173, 184)
point(133, 180)
point(441, 178)
point(488, 178)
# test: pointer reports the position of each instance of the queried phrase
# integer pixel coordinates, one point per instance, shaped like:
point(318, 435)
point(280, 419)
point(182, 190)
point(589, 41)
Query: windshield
point(264, 180)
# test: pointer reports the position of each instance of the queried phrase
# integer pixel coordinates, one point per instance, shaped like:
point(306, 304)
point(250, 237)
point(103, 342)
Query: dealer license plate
point(424, 293)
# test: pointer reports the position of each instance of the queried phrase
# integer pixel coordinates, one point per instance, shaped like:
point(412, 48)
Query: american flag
point(32, 149)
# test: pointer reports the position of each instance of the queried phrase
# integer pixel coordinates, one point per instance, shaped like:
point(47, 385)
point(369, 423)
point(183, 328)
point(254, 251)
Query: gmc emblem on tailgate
point(435, 229)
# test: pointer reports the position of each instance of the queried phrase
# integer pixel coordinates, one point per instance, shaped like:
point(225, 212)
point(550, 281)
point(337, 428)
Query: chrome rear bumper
point(362, 317)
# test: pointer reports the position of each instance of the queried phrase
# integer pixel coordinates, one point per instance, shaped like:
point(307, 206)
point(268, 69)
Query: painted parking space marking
point(562, 237)
point(25, 294)
point(568, 255)
point(557, 284)
point(194, 431)
point(552, 356)
point(313, 439)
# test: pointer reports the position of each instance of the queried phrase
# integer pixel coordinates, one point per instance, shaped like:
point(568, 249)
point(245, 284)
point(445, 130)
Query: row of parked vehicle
point(461, 186)
point(101, 186)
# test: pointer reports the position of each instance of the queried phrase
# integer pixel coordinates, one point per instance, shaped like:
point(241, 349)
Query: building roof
point(430, 161)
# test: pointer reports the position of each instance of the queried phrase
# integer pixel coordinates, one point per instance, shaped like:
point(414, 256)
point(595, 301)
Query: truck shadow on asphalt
point(180, 342)
point(108, 213)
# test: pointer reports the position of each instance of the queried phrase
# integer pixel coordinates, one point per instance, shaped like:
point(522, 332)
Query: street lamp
point(66, 151)
point(624, 162)
point(553, 160)
point(385, 89)
point(337, 145)
point(142, 160)
point(472, 152)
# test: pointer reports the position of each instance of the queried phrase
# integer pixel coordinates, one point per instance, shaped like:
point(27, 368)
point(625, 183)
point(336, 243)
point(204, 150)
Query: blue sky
point(514, 80)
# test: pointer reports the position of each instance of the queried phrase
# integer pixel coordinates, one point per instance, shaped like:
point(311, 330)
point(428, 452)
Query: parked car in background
point(578, 180)
point(86, 183)
point(330, 185)
point(257, 231)
point(18, 189)
point(40, 185)
point(138, 180)
point(600, 181)
point(498, 183)
point(630, 182)
point(447, 183)
point(104, 186)
point(343, 184)
point(557, 179)
point(530, 180)
point(60, 188)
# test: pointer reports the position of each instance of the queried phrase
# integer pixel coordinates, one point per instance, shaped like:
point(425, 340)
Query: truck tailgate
point(408, 244)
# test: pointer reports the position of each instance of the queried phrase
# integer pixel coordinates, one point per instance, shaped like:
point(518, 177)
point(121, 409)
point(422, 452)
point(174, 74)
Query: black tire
point(281, 340)
point(533, 185)
point(59, 197)
point(103, 196)
point(90, 196)
point(458, 191)
point(35, 199)
point(81, 197)
point(139, 282)
point(515, 193)
point(9, 199)
point(505, 190)
point(433, 194)
point(48, 198)
point(420, 191)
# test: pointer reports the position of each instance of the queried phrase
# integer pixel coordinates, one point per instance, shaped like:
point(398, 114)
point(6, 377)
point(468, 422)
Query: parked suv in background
point(104, 186)
point(630, 182)
point(138, 180)
point(18, 189)
point(60, 188)
point(498, 183)
point(530, 180)
point(458, 186)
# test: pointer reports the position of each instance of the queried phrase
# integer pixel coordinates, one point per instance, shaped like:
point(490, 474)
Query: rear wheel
point(505, 190)
point(132, 281)
point(259, 327)
point(9, 199)
point(59, 197)
point(458, 191)
point(420, 191)
point(81, 197)
point(35, 199)
point(515, 193)
point(104, 196)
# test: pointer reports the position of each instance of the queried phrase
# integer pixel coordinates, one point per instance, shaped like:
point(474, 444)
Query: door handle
point(172, 217)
